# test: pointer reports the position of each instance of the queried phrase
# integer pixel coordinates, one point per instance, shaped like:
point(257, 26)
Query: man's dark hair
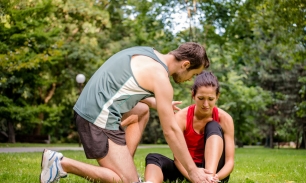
point(194, 53)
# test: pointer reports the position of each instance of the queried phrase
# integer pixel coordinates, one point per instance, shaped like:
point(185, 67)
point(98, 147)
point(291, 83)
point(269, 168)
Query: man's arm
point(151, 102)
point(180, 118)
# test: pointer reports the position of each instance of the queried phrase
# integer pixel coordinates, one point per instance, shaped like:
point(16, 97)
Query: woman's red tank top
point(195, 141)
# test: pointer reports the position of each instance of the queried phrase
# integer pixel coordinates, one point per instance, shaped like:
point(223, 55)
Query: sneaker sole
point(44, 163)
point(41, 165)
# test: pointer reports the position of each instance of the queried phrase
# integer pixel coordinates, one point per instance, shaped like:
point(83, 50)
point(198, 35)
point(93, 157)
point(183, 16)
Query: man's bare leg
point(135, 122)
point(113, 167)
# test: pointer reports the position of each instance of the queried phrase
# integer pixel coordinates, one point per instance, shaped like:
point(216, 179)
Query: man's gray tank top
point(113, 89)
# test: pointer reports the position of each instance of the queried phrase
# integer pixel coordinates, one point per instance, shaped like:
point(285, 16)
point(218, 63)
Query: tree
point(25, 49)
point(44, 45)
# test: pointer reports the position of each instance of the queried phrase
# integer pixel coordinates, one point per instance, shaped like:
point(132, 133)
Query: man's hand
point(174, 107)
point(201, 175)
point(216, 178)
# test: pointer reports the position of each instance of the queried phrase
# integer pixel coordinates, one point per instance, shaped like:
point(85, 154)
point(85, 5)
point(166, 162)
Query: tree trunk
point(302, 146)
point(297, 139)
point(271, 135)
point(267, 140)
point(11, 131)
point(37, 129)
point(303, 143)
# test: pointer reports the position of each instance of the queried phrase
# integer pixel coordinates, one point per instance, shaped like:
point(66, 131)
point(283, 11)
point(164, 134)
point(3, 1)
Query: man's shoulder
point(134, 51)
point(139, 48)
point(150, 65)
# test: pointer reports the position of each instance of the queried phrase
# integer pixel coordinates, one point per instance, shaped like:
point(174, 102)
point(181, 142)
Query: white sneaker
point(51, 169)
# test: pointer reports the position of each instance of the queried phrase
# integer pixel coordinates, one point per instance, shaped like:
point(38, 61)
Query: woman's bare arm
point(227, 125)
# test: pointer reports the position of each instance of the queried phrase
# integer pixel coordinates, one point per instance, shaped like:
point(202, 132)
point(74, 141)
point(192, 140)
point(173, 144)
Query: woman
point(208, 132)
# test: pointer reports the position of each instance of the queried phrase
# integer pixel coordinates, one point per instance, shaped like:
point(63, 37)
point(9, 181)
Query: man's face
point(184, 75)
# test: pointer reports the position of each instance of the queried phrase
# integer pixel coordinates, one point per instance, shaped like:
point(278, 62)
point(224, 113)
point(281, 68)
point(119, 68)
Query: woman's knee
point(153, 158)
point(142, 109)
point(213, 128)
point(137, 114)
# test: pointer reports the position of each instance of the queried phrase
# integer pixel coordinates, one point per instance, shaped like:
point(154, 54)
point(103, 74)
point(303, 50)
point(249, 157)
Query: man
point(116, 94)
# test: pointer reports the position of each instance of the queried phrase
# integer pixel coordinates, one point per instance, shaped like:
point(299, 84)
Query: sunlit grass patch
point(252, 165)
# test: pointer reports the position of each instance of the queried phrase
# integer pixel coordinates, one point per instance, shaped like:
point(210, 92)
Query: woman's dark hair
point(206, 78)
point(194, 53)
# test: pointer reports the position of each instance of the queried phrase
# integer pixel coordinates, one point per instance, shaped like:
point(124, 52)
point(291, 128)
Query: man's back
point(113, 89)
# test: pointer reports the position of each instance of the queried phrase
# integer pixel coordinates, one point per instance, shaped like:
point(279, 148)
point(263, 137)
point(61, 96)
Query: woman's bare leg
point(135, 122)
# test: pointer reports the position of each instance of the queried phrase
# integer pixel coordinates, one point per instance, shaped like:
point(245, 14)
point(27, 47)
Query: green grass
point(252, 165)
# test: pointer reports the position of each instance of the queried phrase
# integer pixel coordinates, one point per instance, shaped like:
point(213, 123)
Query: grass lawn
point(258, 165)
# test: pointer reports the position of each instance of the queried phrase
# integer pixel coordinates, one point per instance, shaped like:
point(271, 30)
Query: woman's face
point(205, 99)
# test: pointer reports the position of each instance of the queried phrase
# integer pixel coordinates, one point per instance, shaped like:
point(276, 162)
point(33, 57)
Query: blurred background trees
point(256, 48)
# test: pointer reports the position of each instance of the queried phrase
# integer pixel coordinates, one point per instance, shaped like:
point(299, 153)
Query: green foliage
point(244, 104)
point(153, 133)
point(256, 48)
point(271, 55)
point(262, 43)
point(21, 63)
point(46, 44)
point(301, 107)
